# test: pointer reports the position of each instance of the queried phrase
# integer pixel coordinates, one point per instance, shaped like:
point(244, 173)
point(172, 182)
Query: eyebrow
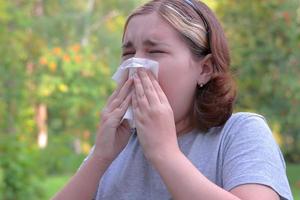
point(127, 45)
point(149, 43)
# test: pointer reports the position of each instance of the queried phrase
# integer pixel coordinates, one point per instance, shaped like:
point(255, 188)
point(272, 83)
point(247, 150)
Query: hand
point(113, 135)
point(153, 116)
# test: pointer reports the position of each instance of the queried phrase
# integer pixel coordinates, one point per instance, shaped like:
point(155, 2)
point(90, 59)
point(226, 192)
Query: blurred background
point(56, 62)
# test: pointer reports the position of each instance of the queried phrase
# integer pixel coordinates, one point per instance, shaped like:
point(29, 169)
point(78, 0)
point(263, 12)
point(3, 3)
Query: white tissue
point(132, 64)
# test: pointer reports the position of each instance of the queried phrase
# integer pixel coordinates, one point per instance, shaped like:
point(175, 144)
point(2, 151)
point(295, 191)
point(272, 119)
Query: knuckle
point(141, 94)
point(118, 111)
point(154, 112)
point(124, 103)
point(116, 101)
point(148, 88)
point(160, 110)
point(144, 105)
point(142, 121)
point(104, 117)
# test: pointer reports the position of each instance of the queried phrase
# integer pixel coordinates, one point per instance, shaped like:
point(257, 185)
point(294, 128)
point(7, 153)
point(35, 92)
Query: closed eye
point(156, 51)
point(127, 54)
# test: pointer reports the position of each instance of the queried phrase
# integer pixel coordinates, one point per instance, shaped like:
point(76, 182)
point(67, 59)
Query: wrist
point(164, 154)
point(100, 159)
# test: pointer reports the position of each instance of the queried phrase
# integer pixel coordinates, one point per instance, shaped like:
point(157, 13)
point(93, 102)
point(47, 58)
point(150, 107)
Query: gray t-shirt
point(240, 152)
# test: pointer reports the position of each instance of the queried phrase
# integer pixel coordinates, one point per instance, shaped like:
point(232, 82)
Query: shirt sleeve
point(251, 156)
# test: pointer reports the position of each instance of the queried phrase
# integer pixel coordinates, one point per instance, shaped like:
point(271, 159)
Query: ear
point(205, 70)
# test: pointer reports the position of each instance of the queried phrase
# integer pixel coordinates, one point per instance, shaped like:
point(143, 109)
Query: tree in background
point(265, 42)
point(55, 68)
point(17, 124)
point(57, 58)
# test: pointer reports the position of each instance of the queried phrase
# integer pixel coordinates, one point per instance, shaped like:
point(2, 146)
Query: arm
point(111, 139)
point(83, 184)
point(184, 181)
point(157, 135)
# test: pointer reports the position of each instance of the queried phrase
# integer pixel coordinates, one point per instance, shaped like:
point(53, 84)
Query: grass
point(293, 172)
point(54, 183)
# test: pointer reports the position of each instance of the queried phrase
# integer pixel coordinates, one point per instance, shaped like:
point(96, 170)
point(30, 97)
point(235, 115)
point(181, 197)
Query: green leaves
point(264, 39)
point(61, 55)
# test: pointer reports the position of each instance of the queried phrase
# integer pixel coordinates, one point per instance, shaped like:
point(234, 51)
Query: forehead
point(150, 26)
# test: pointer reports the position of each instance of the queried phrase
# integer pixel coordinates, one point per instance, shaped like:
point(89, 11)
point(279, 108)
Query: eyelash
point(126, 54)
point(154, 51)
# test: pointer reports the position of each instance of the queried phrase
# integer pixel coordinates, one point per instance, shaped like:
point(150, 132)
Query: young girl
point(187, 143)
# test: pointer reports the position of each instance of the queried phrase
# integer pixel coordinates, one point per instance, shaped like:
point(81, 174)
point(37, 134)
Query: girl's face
point(149, 36)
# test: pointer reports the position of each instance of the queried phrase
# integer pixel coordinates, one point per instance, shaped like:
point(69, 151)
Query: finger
point(111, 97)
point(149, 90)
point(139, 91)
point(119, 98)
point(135, 105)
point(120, 84)
point(125, 132)
point(119, 112)
point(135, 108)
point(134, 101)
point(160, 93)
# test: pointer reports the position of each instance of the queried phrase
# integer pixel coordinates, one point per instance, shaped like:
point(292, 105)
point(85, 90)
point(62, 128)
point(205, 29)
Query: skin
point(161, 114)
point(175, 60)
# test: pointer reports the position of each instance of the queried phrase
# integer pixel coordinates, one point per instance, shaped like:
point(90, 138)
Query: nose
point(140, 54)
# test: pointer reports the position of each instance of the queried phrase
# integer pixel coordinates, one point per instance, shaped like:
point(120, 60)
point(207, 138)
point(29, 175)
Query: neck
point(183, 126)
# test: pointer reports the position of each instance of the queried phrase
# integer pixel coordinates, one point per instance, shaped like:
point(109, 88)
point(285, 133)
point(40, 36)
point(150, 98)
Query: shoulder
point(245, 129)
point(246, 124)
point(250, 154)
point(247, 136)
point(242, 118)
point(242, 126)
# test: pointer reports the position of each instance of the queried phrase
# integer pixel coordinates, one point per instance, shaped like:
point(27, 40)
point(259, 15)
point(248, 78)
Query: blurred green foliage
point(59, 156)
point(265, 42)
point(61, 54)
point(18, 159)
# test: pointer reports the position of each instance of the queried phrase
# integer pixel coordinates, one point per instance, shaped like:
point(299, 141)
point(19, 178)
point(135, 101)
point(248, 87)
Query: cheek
point(179, 91)
point(175, 79)
point(178, 81)
point(166, 79)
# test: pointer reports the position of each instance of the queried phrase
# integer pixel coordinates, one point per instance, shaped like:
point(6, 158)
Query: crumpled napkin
point(132, 64)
